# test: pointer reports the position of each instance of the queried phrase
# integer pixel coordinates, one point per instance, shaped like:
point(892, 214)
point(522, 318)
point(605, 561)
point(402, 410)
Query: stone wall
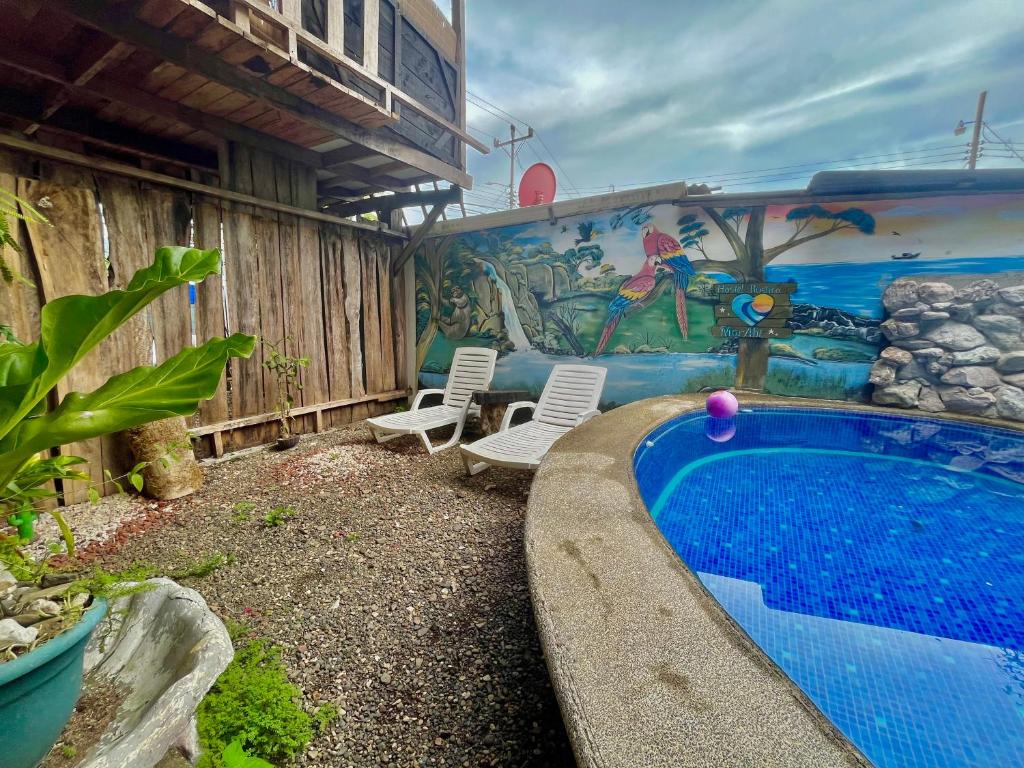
point(956, 349)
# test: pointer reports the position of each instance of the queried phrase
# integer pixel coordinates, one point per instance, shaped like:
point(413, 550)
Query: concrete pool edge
point(648, 668)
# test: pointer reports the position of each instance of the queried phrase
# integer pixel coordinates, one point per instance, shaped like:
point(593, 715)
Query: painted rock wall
point(953, 349)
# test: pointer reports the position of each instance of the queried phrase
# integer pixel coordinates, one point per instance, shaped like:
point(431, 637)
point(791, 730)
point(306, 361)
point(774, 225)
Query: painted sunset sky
point(937, 227)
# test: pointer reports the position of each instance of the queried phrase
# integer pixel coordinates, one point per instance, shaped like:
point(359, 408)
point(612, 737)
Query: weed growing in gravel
point(202, 567)
point(242, 510)
point(325, 715)
point(69, 751)
point(254, 704)
point(278, 515)
point(351, 537)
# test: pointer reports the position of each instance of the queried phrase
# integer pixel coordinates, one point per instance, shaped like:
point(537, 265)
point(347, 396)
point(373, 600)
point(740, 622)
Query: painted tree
point(743, 228)
point(437, 265)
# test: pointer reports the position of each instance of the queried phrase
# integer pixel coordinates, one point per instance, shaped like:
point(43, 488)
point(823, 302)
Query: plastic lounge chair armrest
point(587, 416)
point(511, 408)
point(423, 393)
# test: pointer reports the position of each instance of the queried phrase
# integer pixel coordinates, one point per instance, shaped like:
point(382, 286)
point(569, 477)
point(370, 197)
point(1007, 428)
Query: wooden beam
point(335, 25)
point(85, 125)
point(95, 58)
point(387, 203)
point(131, 172)
point(114, 22)
point(459, 25)
point(367, 176)
point(116, 89)
point(344, 155)
point(371, 34)
point(417, 239)
point(302, 410)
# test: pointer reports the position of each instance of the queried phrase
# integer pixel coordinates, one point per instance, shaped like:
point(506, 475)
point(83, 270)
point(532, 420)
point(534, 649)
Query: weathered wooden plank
point(336, 331)
point(352, 279)
point(210, 315)
point(398, 326)
point(371, 318)
point(242, 266)
point(387, 336)
point(124, 205)
point(69, 257)
point(19, 304)
point(310, 302)
point(167, 217)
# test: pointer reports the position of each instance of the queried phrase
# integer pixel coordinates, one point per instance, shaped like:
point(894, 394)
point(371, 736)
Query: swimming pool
point(878, 560)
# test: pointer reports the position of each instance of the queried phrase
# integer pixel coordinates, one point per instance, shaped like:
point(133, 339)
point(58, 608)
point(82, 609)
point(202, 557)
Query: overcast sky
point(648, 91)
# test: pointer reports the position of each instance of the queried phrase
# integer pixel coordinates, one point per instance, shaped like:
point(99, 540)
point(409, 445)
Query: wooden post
point(371, 24)
point(336, 25)
point(979, 114)
point(459, 24)
point(240, 15)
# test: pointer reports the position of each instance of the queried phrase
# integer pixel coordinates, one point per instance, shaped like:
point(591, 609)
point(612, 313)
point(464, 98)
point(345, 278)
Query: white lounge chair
point(472, 370)
point(570, 397)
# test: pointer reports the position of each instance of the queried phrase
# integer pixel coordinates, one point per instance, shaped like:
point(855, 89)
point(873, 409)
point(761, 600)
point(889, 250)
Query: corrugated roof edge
point(885, 182)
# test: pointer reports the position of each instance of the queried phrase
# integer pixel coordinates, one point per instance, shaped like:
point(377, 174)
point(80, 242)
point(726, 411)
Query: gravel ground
point(398, 591)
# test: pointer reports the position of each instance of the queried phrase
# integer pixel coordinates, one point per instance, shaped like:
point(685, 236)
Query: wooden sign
point(753, 311)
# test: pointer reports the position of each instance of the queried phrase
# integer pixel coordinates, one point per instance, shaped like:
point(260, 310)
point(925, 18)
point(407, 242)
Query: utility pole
point(972, 159)
point(512, 149)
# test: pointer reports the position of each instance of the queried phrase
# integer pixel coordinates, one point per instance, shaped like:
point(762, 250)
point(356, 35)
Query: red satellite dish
point(537, 185)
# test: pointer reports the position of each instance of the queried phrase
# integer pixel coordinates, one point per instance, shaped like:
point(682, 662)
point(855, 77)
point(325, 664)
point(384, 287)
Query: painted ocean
point(857, 286)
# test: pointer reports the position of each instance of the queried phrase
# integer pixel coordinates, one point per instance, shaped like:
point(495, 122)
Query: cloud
point(656, 89)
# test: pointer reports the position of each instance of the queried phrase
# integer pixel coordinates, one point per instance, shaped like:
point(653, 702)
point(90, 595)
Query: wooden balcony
point(367, 94)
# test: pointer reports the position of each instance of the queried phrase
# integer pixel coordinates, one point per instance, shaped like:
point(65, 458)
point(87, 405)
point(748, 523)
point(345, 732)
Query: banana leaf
point(141, 395)
point(73, 325)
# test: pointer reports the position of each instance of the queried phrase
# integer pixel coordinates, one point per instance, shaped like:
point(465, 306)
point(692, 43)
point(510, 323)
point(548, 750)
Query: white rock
point(956, 336)
point(977, 356)
point(930, 293)
point(45, 607)
point(897, 356)
point(1011, 362)
point(900, 294)
point(901, 395)
point(894, 329)
point(972, 376)
point(12, 633)
point(882, 374)
point(1012, 295)
point(1010, 403)
point(979, 290)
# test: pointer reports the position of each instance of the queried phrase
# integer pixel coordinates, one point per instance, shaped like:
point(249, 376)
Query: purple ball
point(720, 430)
point(722, 404)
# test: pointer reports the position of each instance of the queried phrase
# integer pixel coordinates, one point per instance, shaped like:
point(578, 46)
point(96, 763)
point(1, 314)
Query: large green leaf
point(141, 395)
point(73, 325)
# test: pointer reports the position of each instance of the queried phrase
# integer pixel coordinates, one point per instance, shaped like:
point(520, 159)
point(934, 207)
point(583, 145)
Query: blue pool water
point(877, 559)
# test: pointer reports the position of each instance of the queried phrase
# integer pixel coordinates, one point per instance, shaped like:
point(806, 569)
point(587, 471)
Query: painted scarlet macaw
point(632, 293)
point(668, 249)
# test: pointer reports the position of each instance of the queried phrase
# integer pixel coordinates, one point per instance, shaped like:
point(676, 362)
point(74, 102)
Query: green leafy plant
point(9, 205)
point(241, 510)
point(235, 756)
point(253, 703)
point(278, 516)
point(72, 326)
point(286, 369)
point(324, 715)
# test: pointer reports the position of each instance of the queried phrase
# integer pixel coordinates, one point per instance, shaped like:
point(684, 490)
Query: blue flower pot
point(38, 691)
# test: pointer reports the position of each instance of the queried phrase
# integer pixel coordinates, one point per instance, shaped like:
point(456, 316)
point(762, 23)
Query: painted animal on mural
point(668, 249)
point(632, 294)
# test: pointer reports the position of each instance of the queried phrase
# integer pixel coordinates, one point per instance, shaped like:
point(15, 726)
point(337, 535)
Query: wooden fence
point(324, 286)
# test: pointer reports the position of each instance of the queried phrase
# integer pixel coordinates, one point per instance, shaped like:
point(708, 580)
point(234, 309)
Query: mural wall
point(784, 298)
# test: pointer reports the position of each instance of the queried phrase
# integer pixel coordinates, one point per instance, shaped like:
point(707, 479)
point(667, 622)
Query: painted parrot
point(632, 293)
point(668, 249)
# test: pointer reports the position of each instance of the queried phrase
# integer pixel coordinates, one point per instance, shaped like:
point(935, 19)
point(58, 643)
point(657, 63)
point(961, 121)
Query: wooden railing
point(279, 23)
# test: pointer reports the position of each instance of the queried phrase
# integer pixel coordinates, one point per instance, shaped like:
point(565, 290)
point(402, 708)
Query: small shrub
point(325, 715)
point(254, 704)
point(202, 567)
point(241, 511)
point(278, 516)
point(236, 757)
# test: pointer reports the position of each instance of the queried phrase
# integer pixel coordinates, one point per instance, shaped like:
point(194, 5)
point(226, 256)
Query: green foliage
point(324, 715)
point(69, 751)
point(70, 327)
point(254, 704)
point(236, 757)
point(286, 369)
point(201, 567)
point(9, 209)
point(278, 516)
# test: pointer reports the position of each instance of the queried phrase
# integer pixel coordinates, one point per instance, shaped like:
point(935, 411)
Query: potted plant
point(48, 616)
point(285, 369)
